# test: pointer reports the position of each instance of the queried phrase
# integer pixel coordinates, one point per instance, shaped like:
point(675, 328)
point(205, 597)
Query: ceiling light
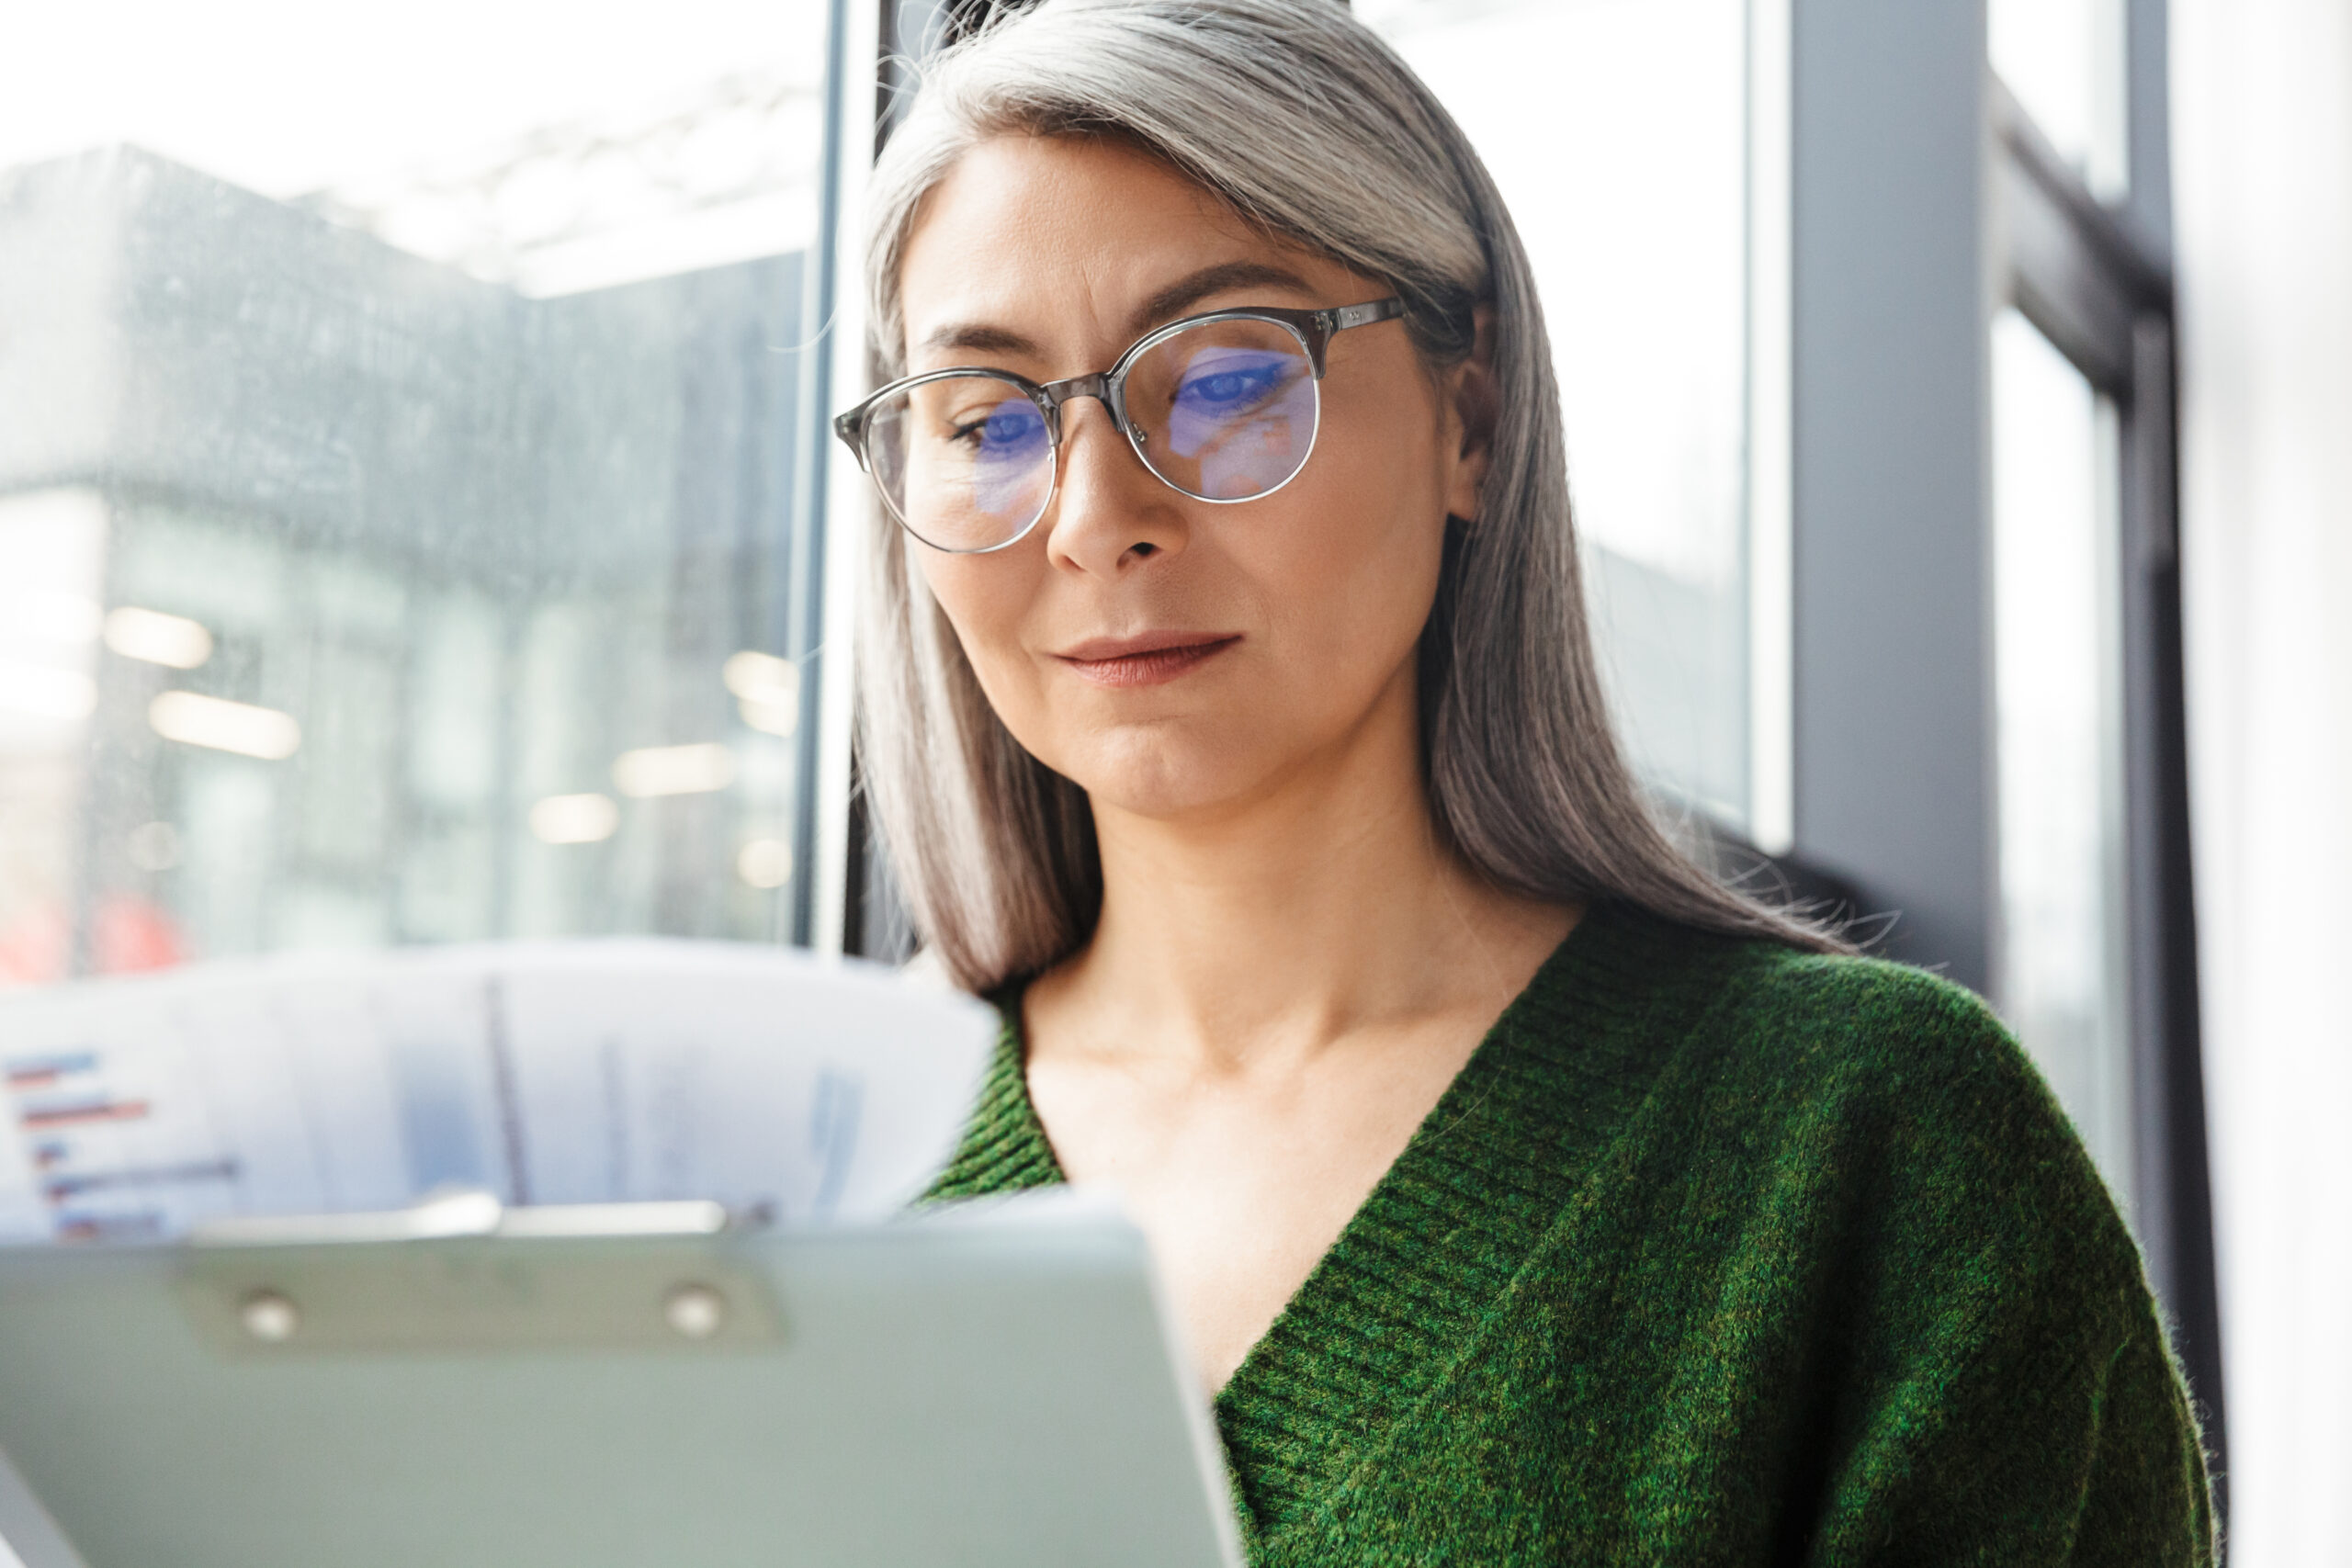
point(770, 718)
point(575, 820)
point(763, 677)
point(158, 638)
point(673, 770)
point(225, 726)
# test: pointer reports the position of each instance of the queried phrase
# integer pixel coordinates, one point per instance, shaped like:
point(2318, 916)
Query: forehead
point(1028, 232)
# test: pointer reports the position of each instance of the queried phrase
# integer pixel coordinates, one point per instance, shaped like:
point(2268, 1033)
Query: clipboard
point(463, 1386)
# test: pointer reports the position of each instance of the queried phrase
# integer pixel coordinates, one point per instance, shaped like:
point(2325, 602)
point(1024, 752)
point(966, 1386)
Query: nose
point(1108, 514)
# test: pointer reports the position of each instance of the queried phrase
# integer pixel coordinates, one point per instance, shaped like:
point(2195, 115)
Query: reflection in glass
point(2062, 976)
point(966, 461)
point(2065, 60)
point(1226, 410)
point(397, 532)
point(1617, 131)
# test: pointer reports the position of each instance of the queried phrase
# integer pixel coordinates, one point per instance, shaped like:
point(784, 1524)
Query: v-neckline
point(1372, 1327)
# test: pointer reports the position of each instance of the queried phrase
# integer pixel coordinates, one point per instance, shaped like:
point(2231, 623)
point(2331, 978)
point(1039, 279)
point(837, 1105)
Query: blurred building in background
point(354, 598)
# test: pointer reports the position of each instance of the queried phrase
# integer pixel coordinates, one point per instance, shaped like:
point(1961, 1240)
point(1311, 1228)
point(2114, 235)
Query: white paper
point(580, 1072)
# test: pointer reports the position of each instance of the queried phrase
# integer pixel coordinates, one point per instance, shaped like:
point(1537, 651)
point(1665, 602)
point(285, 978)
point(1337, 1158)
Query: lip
point(1148, 660)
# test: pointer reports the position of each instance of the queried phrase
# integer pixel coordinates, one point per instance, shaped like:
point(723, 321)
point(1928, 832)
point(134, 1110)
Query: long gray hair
point(1308, 125)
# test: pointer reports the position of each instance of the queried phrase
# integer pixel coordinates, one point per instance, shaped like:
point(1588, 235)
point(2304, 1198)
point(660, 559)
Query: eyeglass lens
point(1225, 410)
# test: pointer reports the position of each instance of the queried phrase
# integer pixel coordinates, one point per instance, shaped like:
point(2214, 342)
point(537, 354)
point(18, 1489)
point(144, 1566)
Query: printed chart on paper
point(544, 1073)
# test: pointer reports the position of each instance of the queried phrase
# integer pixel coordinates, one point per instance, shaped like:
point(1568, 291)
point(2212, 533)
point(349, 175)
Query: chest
point(1242, 1181)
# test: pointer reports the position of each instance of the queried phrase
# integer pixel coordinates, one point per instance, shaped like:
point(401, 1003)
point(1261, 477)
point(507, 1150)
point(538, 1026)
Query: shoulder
point(1773, 1013)
point(1781, 1068)
point(1906, 1092)
point(1816, 1020)
point(1880, 1037)
point(1785, 1021)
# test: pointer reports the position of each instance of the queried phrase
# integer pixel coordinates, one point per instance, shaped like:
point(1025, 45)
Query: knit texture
point(1714, 1253)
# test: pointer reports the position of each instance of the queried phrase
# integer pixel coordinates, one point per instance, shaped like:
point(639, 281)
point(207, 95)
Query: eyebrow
point(1162, 307)
point(1186, 292)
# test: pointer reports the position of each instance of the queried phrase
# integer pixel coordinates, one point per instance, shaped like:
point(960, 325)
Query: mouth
point(1146, 661)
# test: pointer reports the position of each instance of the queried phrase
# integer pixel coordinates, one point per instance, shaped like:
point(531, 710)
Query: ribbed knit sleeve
point(2000, 1390)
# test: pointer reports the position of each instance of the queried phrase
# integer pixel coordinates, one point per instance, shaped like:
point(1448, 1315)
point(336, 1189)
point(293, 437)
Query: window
point(2063, 968)
point(1617, 131)
point(2096, 953)
point(407, 476)
point(2070, 365)
point(2065, 60)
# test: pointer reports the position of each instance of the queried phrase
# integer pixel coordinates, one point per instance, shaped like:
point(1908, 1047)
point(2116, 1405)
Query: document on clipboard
point(555, 1073)
point(987, 1390)
point(589, 1255)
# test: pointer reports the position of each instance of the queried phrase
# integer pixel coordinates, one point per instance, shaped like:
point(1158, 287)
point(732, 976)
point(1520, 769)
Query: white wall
point(2261, 96)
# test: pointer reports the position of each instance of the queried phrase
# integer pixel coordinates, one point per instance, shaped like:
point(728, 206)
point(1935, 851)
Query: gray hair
point(1308, 125)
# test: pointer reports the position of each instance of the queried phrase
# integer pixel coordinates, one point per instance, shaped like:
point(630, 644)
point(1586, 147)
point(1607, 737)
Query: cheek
point(985, 597)
point(1354, 556)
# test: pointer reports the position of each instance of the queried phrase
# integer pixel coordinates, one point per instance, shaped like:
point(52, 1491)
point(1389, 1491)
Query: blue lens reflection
point(1223, 386)
point(1007, 448)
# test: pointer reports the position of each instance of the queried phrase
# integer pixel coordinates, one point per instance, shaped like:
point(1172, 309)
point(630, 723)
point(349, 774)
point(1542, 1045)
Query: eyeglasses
point(1222, 407)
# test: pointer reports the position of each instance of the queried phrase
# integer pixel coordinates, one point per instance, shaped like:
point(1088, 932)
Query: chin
point(1163, 772)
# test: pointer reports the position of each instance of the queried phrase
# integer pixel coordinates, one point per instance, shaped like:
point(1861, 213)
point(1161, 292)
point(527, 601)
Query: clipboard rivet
point(269, 1317)
point(696, 1312)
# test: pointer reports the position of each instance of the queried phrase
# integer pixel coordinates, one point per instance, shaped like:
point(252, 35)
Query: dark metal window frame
point(2095, 281)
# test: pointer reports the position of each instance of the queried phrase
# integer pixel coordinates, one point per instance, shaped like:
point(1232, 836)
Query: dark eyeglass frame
point(1314, 329)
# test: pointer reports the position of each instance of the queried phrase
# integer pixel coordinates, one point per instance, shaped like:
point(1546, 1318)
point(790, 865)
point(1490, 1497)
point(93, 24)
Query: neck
point(1324, 905)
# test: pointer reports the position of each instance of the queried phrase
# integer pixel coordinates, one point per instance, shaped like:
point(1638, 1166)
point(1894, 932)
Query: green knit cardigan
point(1714, 1253)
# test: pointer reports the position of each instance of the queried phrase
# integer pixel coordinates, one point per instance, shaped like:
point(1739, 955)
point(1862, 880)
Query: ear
point(1474, 403)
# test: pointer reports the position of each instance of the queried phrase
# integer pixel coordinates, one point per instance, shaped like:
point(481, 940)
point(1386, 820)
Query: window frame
point(1924, 202)
point(2096, 280)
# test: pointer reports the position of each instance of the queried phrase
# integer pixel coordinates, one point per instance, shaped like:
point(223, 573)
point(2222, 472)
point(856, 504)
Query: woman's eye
point(995, 428)
point(1234, 386)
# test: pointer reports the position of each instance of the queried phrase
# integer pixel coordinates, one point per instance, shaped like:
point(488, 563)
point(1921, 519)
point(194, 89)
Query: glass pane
point(401, 488)
point(2062, 976)
point(1617, 130)
point(2065, 60)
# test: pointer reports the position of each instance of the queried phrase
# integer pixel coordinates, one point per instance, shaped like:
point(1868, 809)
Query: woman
point(1524, 1195)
